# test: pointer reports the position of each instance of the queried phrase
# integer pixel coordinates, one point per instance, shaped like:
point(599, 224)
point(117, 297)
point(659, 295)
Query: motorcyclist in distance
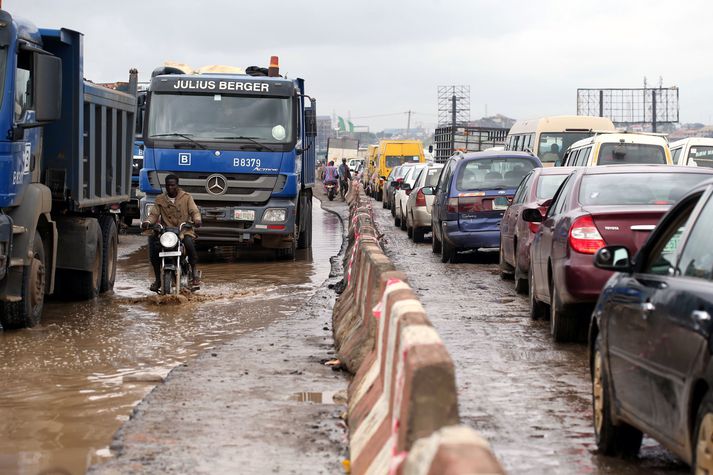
point(345, 176)
point(331, 175)
point(171, 209)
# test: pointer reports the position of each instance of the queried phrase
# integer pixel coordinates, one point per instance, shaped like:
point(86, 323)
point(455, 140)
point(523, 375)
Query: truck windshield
point(221, 118)
point(394, 160)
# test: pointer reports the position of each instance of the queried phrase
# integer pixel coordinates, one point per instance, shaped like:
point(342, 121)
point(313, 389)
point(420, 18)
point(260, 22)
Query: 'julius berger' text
point(221, 85)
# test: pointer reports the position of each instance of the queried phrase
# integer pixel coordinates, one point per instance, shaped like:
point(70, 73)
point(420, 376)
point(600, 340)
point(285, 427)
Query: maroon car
point(535, 192)
point(593, 208)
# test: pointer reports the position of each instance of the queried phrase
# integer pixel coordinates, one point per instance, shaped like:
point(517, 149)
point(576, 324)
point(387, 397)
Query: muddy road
point(528, 396)
point(69, 383)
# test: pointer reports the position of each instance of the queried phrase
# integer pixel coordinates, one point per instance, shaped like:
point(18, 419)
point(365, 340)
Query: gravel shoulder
point(247, 406)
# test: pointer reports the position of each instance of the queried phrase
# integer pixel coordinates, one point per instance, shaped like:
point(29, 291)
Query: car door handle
point(700, 316)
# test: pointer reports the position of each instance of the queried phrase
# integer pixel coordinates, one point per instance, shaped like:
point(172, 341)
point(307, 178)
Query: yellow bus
point(549, 137)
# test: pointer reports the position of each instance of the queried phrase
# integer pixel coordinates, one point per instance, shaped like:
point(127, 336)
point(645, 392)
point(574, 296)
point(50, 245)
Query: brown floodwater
point(69, 383)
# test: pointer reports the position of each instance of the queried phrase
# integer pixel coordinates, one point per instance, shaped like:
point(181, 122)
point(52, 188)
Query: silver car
point(419, 204)
point(402, 194)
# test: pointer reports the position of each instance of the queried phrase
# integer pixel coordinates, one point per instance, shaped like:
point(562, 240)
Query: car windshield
point(217, 118)
point(628, 153)
point(552, 146)
point(701, 156)
point(637, 188)
point(493, 173)
point(547, 186)
point(394, 160)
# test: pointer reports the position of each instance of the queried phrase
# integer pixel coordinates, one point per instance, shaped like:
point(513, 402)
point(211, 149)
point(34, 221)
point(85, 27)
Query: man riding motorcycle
point(171, 209)
point(331, 175)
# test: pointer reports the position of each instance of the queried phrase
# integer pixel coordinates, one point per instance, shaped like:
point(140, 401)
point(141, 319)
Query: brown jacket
point(172, 215)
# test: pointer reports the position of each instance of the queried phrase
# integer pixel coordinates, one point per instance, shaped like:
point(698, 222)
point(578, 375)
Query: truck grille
point(239, 188)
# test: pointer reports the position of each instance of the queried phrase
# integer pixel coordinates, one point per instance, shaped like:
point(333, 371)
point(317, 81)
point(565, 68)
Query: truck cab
point(242, 146)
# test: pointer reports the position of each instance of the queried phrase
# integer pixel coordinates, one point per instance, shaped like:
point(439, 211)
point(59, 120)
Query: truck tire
point(110, 241)
point(83, 285)
point(28, 311)
point(305, 239)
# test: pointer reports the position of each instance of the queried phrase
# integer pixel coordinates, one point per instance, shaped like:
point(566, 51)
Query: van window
point(627, 153)
point(573, 156)
point(701, 156)
point(675, 154)
point(584, 156)
point(553, 145)
point(495, 173)
point(515, 142)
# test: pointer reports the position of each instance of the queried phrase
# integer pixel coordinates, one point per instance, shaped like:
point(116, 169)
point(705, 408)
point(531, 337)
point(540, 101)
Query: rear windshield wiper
point(244, 137)
point(178, 134)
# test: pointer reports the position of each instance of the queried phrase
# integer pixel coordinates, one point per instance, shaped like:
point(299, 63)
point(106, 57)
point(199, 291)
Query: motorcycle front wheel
point(169, 277)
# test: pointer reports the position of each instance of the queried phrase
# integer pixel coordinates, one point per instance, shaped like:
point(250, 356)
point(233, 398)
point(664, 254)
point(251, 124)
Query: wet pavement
point(71, 382)
point(529, 397)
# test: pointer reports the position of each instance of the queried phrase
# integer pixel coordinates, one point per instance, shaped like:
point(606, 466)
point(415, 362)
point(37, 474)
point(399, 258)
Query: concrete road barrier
point(403, 394)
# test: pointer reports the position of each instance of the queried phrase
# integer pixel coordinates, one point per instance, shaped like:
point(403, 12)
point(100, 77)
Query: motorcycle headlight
point(169, 240)
point(274, 215)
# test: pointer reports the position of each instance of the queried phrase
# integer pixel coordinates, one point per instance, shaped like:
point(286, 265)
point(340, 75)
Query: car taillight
point(452, 205)
point(533, 227)
point(420, 198)
point(467, 204)
point(584, 236)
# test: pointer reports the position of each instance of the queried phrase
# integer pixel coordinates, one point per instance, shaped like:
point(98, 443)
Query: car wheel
point(621, 439)
point(418, 234)
point(435, 242)
point(403, 220)
point(409, 229)
point(448, 252)
point(703, 442)
point(537, 308)
point(397, 222)
point(505, 268)
point(563, 324)
point(521, 283)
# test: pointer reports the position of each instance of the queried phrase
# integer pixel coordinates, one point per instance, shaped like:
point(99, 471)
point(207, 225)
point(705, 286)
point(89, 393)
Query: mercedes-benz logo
point(216, 184)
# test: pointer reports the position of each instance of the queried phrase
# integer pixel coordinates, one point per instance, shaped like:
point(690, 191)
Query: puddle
point(325, 397)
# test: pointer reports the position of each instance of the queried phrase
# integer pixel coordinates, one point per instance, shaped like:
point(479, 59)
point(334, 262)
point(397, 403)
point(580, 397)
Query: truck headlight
point(274, 215)
point(147, 209)
point(168, 240)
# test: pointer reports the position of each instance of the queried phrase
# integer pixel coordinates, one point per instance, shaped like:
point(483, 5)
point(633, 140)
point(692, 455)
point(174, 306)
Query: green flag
point(340, 124)
point(351, 126)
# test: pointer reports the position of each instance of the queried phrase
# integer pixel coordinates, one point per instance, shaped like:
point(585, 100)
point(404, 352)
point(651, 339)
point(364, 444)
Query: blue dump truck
point(65, 169)
point(243, 146)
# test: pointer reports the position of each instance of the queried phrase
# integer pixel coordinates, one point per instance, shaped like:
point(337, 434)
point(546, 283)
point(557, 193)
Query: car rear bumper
point(469, 239)
point(582, 281)
point(421, 217)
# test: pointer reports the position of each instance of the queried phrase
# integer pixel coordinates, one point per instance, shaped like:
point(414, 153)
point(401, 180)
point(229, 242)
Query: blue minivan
point(472, 194)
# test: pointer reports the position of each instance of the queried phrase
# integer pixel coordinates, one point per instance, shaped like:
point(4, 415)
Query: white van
point(618, 149)
point(693, 152)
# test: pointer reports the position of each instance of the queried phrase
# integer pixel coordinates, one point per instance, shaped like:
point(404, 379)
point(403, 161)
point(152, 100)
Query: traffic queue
point(606, 233)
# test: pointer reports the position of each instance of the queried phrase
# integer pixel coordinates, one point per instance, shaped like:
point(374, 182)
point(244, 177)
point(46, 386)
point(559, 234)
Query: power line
point(393, 114)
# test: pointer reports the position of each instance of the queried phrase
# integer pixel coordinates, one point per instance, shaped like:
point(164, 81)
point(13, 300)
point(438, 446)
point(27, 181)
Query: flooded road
point(69, 383)
point(530, 398)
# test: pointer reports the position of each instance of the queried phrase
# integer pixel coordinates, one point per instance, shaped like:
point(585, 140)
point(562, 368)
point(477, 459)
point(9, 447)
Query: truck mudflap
point(78, 241)
point(5, 244)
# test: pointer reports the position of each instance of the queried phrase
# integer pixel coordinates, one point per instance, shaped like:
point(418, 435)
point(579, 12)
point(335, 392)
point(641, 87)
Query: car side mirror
point(613, 258)
point(532, 215)
point(428, 190)
point(393, 184)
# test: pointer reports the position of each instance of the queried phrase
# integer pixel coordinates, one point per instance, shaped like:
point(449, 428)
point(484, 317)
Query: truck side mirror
point(430, 149)
point(47, 87)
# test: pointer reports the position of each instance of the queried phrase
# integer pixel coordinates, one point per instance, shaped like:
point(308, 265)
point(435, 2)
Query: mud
point(529, 397)
point(71, 382)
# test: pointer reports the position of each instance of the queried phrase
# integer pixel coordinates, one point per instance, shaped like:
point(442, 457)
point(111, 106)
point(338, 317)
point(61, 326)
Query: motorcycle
point(176, 271)
point(331, 189)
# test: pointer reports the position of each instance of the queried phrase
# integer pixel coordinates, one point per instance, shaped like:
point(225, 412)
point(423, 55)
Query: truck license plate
point(244, 215)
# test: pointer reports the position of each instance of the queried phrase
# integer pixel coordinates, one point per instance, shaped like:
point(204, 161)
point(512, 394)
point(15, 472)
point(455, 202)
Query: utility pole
point(408, 123)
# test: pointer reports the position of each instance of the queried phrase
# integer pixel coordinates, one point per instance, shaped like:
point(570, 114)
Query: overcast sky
point(374, 58)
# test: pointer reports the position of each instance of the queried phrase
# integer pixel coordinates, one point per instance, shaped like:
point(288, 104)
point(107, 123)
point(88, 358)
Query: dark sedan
point(535, 192)
point(595, 207)
point(650, 338)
